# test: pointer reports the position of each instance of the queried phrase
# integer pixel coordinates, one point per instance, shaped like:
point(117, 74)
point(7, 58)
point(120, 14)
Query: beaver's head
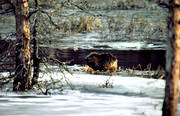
point(92, 59)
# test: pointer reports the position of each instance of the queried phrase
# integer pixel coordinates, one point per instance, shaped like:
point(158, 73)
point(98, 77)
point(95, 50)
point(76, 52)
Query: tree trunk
point(36, 59)
point(22, 79)
point(170, 105)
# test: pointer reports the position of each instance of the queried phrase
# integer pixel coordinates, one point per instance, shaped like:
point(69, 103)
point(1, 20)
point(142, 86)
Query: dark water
point(126, 58)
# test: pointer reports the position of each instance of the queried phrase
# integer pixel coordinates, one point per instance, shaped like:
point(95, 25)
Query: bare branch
point(10, 3)
point(50, 18)
point(31, 13)
point(9, 9)
point(164, 5)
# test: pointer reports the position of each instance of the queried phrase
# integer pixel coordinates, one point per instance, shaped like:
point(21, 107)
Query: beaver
point(101, 62)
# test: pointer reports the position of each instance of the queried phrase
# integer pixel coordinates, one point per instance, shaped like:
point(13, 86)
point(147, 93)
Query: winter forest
point(89, 57)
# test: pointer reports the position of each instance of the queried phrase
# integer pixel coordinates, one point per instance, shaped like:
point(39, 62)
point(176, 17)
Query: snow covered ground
point(127, 96)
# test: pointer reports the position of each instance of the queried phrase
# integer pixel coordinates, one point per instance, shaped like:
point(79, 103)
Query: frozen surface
point(129, 96)
point(94, 41)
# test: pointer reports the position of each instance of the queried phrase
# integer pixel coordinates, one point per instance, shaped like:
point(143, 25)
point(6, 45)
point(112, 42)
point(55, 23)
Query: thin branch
point(31, 13)
point(78, 6)
point(7, 11)
point(11, 4)
point(164, 5)
point(50, 18)
point(10, 9)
